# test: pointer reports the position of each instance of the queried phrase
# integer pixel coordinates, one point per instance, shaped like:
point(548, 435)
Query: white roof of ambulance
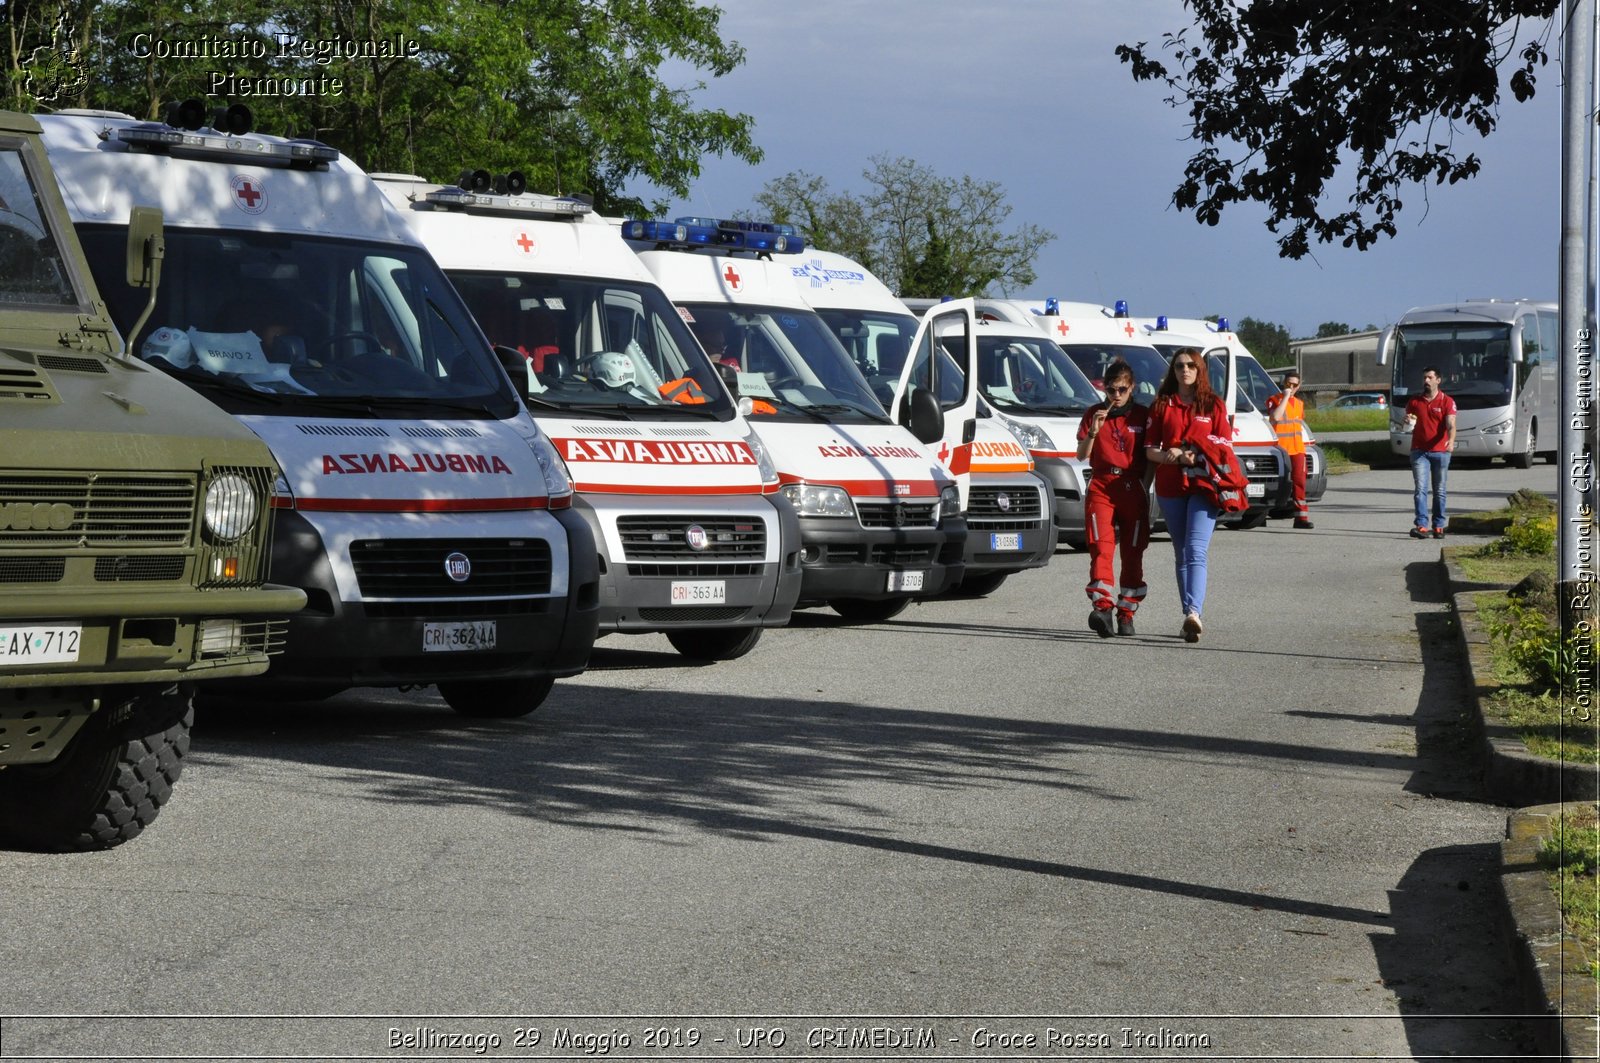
point(701, 277)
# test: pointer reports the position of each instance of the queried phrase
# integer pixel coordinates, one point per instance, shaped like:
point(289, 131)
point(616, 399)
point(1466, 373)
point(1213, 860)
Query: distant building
point(1339, 363)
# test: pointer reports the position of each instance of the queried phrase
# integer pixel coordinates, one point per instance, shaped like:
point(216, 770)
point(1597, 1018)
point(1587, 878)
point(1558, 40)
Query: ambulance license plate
point(1255, 490)
point(1005, 540)
point(905, 581)
point(41, 644)
point(700, 592)
point(459, 635)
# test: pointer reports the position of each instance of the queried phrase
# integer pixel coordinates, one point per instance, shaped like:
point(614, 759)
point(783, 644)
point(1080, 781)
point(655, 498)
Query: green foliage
point(1330, 329)
point(1532, 643)
point(1526, 498)
point(924, 234)
point(1529, 535)
point(568, 91)
point(1301, 88)
point(1269, 342)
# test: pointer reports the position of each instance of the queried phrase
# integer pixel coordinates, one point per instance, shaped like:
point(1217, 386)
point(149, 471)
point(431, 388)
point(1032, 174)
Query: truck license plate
point(1255, 490)
point(905, 581)
point(700, 592)
point(1005, 540)
point(41, 644)
point(459, 635)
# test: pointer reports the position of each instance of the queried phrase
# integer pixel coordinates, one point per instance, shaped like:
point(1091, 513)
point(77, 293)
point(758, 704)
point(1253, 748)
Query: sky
point(1029, 93)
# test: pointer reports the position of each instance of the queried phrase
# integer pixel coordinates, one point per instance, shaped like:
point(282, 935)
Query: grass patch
point(1360, 455)
point(1484, 565)
point(1540, 723)
point(1570, 856)
point(1347, 420)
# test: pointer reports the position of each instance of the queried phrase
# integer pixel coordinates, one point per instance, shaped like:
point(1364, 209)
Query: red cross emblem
point(731, 275)
point(944, 453)
point(524, 243)
point(249, 193)
point(1127, 326)
point(1062, 327)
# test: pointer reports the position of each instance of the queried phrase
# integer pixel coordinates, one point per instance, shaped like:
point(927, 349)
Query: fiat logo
point(457, 567)
point(1004, 502)
point(696, 537)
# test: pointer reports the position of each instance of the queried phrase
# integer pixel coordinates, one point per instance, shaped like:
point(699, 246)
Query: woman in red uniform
point(1116, 510)
point(1186, 403)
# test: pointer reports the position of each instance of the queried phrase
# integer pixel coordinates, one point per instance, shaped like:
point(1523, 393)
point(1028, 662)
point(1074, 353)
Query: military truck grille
point(898, 514)
point(32, 569)
point(105, 511)
point(1023, 511)
point(415, 568)
point(59, 362)
point(139, 568)
point(667, 539)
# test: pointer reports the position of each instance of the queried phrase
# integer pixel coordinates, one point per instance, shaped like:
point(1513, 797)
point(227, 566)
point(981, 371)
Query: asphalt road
point(1273, 841)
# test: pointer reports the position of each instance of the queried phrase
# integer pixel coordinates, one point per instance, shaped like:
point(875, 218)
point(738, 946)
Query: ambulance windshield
point(788, 363)
point(1149, 368)
point(277, 323)
point(1026, 374)
point(596, 344)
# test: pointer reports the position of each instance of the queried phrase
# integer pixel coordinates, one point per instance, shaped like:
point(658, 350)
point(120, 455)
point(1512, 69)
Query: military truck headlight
point(949, 501)
point(819, 500)
point(231, 507)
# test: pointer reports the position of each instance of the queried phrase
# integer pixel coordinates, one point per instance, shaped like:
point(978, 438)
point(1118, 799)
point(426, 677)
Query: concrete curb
point(1553, 967)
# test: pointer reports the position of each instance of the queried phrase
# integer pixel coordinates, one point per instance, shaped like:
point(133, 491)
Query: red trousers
point(1297, 480)
point(1116, 513)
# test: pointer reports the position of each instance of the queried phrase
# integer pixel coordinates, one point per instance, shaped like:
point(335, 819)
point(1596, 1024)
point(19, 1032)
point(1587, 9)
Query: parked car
point(1361, 400)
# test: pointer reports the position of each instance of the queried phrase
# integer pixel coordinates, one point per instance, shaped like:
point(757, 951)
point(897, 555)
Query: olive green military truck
point(134, 537)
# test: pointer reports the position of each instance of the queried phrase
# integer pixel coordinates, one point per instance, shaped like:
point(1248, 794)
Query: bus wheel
point(714, 643)
point(496, 699)
point(1523, 459)
point(869, 610)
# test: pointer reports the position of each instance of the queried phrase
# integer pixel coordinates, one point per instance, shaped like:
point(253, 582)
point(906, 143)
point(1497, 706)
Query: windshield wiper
point(577, 409)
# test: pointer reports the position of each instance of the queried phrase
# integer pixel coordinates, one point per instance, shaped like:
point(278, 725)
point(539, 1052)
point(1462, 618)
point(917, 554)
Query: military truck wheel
point(869, 610)
point(715, 643)
point(982, 583)
point(110, 783)
point(496, 699)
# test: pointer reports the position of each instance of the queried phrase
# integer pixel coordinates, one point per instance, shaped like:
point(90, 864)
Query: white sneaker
point(1191, 628)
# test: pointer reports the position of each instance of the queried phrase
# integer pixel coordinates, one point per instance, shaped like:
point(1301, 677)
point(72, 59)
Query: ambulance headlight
point(231, 507)
point(764, 463)
point(949, 501)
point(816, 500)
point(1030, 436)
point(1501, 428)
point(554, 470)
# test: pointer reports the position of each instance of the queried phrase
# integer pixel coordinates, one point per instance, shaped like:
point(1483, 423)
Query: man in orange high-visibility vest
point(1288, 416)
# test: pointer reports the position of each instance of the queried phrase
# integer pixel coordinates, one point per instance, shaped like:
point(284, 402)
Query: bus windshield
point(1473, 361)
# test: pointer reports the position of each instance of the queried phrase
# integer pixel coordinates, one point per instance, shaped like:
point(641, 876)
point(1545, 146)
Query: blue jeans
point(1426, 465)
point(1190, 521)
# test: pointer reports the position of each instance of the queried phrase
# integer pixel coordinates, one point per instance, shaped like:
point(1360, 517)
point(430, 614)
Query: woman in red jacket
point(1186, 402)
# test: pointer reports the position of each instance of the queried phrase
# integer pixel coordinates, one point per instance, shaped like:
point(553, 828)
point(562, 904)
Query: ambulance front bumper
point(335, 642)
point(1010, 524)
point(667, 585)
point(841, 559)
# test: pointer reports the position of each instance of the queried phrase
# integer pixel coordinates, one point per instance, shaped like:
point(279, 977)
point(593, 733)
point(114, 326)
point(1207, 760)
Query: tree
point(1304, 87)
point(1333, 328)
point(568, 91)
point(924, 234)
point(1267, 341)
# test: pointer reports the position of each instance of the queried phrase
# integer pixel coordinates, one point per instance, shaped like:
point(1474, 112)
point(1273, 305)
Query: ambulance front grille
point(416, 568)
point(1015, 508)
point(668, 538)
point(697, 614)
point(693, 571)
point(898, 514)
point(1260, 467)
point(105, 511)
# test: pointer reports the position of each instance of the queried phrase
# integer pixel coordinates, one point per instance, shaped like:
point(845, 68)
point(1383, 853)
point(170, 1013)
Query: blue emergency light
point(1161, 322)
point(1222, 325)
point(1121, 309)
point(690, 232)
point(1052, 307)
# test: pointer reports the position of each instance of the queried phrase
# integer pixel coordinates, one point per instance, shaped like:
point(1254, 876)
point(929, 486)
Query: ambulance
point(1246, 384)
point(1010, 526)
point(681, 496)
point(881, 517)
point(422, 511)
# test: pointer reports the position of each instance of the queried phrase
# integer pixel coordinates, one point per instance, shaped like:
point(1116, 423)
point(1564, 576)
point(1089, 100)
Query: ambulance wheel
point(496, 699)
point(715, 643)
point(110, 782)
point(982, 583)
point(869, 610)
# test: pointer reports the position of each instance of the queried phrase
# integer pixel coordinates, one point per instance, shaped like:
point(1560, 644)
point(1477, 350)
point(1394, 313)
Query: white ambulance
point(1009, 525)
point(695, 541)
point(1246, 384)
point(881, 518)
point(425, 515)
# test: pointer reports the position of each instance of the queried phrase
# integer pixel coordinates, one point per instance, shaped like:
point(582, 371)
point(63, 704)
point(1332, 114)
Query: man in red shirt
point(1116, 506)
point(1431, 416)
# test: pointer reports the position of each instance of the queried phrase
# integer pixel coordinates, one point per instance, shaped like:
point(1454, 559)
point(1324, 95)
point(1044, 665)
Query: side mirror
point(921, 415)
point(1385, 345)
point(147, 246)
point(517, 367)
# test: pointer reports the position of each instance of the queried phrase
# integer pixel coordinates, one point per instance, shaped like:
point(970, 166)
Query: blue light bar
point(531, 204)
point(692, 232)
point(1121, 309)
point(685, 232)
point(300, 154)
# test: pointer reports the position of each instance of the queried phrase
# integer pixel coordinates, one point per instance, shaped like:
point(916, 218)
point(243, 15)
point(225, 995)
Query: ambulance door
point(1230, 377)
point(955, 327)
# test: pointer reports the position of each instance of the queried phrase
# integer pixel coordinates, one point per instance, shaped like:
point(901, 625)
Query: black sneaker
point(1125, 625)
point(1100, 622)
point(1438, 533)
point(1419, 533)
point(1303, 523)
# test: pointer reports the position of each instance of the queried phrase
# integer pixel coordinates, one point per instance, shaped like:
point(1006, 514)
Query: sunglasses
point(1114, 390)
point(1186, 365)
